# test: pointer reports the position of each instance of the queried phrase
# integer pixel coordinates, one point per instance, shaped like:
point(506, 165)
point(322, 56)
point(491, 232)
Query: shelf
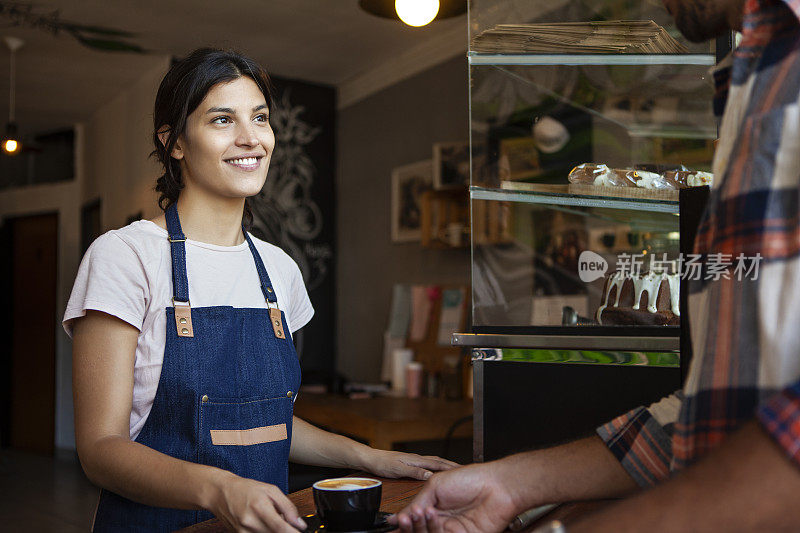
point(568, 342)
point(563, 195)
point(670, 131)
point(590, 59)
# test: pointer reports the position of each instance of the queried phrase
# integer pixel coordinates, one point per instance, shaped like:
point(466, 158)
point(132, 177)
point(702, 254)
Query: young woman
point(184, 369)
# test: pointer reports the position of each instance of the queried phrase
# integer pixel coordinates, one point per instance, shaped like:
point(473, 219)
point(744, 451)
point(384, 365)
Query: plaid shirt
point(745, 332)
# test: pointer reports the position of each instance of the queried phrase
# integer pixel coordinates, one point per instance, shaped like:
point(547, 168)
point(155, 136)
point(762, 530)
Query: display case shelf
point(476, 58)
point(569, 342)
point(564, 195)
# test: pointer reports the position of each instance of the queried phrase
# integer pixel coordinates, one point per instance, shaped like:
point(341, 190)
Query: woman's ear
point(163, 136)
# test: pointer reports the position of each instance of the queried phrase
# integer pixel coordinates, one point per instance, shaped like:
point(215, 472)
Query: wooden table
point(384, 420)
point(397, 494)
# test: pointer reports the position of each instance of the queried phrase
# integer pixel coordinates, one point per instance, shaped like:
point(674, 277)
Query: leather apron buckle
point(277, 322)
point(183, 318)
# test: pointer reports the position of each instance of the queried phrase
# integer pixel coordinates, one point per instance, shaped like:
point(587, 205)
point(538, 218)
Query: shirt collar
point(758, 29)
point(794, 5)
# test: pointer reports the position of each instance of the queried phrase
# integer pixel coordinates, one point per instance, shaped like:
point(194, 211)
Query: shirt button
point(204, 399)
point(289, 394)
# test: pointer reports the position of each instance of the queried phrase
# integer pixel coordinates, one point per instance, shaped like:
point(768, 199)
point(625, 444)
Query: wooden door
point(32, 361)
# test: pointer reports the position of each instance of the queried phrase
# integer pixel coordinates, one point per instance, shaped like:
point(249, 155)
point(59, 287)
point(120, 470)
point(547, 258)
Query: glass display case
point(588, 118)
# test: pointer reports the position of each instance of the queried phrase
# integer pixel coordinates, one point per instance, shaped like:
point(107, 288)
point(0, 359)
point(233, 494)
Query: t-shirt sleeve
point(111, 279)
point(300, 309)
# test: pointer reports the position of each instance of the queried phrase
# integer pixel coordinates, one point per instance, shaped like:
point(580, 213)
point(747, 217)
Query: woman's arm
point(313, 446)
point(103, 360)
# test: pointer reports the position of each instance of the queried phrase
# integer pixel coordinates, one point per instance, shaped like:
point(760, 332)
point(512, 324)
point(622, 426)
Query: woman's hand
point(390, 464)
point(246, 505)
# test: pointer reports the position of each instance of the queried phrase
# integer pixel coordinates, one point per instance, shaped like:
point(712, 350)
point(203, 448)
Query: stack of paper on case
point(609, 37)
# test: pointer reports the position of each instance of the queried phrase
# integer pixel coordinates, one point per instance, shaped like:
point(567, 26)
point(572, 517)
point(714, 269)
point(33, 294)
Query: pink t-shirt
point(127, 273)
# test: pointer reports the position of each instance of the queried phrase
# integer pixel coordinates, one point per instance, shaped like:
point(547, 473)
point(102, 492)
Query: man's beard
point(700, 21)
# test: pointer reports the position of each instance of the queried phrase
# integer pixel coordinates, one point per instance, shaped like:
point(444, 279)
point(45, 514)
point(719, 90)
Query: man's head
point(701, 20)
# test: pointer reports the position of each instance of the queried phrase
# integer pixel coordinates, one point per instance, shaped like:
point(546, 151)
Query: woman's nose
point(246, 136)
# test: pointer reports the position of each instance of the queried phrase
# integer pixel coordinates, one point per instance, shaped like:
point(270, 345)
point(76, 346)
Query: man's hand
point(472, 498)
point(398, 464)
point(488, 496)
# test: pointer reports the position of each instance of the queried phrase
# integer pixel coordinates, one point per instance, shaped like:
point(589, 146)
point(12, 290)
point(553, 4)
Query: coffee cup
point(347, 503)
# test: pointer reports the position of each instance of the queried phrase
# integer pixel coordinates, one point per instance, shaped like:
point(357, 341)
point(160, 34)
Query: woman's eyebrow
point(229, 110)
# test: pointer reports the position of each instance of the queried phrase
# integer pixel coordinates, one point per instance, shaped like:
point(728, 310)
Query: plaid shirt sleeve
point(641, 440)
point(780, 416)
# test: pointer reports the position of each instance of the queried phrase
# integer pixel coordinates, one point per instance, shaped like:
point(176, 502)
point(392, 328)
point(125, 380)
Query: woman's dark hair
point(183, 88)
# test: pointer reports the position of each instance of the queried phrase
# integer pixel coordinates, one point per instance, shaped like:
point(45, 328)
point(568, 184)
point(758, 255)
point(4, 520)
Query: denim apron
point(224, 398)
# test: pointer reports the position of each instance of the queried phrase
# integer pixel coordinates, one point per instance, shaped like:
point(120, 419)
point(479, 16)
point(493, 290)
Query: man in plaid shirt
point(723, 454)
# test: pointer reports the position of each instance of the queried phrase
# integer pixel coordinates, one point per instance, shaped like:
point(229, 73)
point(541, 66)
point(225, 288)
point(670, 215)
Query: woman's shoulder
point(142, 238)
point(267, 247)
point(274, 254)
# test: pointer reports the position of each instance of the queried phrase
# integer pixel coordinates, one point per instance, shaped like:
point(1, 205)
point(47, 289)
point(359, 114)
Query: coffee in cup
point(348, 503)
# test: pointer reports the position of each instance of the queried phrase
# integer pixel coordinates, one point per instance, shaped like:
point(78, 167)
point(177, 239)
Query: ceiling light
point(11, 142)
point(390, 8)
point(416, 12)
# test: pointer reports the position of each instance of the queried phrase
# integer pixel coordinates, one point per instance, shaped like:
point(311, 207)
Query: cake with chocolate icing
point(649, 299)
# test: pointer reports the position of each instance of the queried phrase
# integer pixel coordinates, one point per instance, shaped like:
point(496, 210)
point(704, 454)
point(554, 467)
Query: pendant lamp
point(414, 12)
point(11, 142)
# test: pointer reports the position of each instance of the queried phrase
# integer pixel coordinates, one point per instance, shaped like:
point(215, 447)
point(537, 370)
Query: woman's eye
point(221, 120)
point(262, 118)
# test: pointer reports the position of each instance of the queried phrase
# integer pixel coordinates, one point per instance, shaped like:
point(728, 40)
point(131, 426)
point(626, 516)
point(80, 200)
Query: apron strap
point(177, 241)
point(180, 282)
point(266, 284)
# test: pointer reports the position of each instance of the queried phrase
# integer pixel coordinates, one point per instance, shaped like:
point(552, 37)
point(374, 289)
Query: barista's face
point(226, 148)
point(701, 20)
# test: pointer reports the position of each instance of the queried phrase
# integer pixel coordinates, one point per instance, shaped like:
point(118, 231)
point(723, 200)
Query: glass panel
point(543, 262)
point(535, 124)
point(487, 14)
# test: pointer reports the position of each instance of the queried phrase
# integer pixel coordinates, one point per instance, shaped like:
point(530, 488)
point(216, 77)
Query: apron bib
point(224, 398)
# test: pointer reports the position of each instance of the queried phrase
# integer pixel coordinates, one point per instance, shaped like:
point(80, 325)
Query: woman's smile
point(246, 163)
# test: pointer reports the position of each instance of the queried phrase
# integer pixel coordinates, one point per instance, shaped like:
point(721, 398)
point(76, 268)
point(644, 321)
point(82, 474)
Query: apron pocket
point(248, 437)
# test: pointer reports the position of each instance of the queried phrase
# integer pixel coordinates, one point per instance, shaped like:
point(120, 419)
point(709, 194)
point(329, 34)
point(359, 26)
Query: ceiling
point(333, 42)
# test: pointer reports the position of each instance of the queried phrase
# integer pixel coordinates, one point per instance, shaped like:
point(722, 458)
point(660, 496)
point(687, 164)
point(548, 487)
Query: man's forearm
point(746, 485)
point(580, 470)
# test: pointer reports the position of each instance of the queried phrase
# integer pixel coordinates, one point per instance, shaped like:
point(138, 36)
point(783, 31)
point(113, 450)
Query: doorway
point(29, 276)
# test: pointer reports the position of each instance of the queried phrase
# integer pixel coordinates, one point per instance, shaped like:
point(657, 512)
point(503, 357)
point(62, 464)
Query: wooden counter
point(398, 493)
point(385, 420)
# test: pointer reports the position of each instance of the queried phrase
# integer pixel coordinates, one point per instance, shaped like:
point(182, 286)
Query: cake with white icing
point(601, 175)
point(649, 299)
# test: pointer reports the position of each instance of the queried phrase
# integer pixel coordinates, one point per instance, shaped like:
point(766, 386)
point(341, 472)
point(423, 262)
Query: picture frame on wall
point(451, 165)
point(409, 182)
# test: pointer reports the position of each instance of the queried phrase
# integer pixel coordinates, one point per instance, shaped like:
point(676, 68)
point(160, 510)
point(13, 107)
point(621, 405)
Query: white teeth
point(244, 161)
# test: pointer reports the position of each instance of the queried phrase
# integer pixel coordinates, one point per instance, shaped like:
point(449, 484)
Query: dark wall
point(391, 128)
point(296, 209)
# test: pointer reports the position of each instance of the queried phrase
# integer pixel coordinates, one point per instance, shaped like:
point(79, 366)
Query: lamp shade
point(386, 8)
